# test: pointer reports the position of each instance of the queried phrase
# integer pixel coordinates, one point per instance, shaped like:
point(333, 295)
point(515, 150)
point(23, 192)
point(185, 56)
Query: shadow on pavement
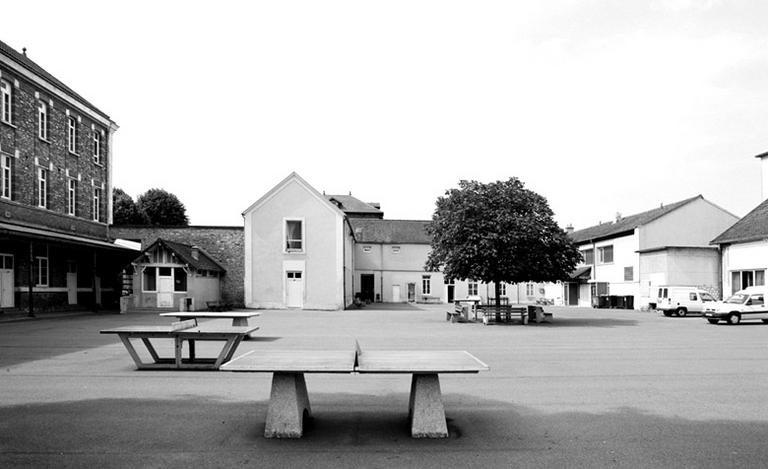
point(350, 430)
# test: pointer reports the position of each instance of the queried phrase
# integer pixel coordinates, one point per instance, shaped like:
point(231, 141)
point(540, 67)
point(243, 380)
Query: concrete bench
point(179, 332)
point(459, 313)
point(538, 315)
point(217, 306)
point(289, 400)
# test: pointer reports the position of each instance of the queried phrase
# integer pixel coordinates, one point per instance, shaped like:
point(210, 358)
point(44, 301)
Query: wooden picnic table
point(230, 335)
point(239, 318)
point(289, 400)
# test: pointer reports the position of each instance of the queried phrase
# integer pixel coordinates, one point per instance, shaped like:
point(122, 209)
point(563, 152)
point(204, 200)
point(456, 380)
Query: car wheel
point(712, 321)
point(681, 312)
point(734, 318)
point(765, 321)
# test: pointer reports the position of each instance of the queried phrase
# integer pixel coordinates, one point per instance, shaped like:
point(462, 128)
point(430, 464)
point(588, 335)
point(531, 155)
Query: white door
point(294, 289)
point(6, 281)
point(396, 293)
point(164, 287)
point(72, 283)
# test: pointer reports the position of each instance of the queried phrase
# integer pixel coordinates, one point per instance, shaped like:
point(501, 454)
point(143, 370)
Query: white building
point(626, 260)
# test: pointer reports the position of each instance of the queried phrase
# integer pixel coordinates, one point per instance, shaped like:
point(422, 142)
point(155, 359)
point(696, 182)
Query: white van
point(742, 306)
point(680, 300)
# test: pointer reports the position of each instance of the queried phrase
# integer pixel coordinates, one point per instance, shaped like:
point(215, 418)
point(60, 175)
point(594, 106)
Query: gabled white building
point(626, 260)
point(744, 245)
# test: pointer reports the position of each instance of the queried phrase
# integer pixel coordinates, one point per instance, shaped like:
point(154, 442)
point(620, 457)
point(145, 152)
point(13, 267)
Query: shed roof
point(371, 230)
point(628, 223)
point(203, 262)
point(753, 227)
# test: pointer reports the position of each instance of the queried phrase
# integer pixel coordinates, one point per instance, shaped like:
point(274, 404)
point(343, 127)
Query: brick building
point(55, 186)
point(224, 244)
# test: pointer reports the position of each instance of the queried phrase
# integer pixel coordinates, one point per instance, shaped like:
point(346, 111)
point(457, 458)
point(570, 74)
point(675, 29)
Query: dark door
point(450, 293)
point(366, 287)
point(573, 294)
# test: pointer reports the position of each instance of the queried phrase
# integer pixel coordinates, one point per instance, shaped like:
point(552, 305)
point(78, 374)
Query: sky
point(603, 107)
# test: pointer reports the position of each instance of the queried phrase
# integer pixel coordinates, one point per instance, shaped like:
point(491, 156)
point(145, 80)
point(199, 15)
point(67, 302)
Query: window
point(629, 274)
point(472, 288)
point(96, 147)
point(6, 261)
point(756, 300)
point(426, 285)
point(294, 236)
point(5, 101)
point(96, 203)
point(42, 188)
point(741, 279)
point(72, 134)
point(179, 279)
point(42, 121)
point(367, 248)
point(529, 289)
point(589, 256)
point(71, 196)
point(150, 279)
point(5, 176)
point(605, 254)
point(693, 297)
point(503, 289)
point(41, 271)
point(395, 249)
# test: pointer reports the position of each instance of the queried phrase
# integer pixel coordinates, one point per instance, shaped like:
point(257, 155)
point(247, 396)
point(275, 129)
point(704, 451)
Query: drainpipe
point(31, 313)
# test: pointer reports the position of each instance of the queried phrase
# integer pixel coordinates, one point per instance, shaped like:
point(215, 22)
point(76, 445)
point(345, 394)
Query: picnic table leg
point(425, 411)
point(288, 405)
point(132, 351)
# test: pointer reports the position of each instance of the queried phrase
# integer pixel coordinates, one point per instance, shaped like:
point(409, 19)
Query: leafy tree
point(162, 208)
point(498, 232)
point(124, 209)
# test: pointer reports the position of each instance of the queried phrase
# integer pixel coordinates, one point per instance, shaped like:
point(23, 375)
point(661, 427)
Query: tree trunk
point(497, 293)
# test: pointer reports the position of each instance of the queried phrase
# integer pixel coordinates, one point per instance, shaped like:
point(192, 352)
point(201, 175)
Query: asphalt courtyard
point(596, 388)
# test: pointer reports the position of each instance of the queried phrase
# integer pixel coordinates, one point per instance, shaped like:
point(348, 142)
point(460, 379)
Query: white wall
point(743, 256)
point(694, 224)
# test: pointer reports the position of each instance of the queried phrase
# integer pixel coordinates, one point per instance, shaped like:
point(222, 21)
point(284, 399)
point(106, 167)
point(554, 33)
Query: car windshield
point(737, 299)
point(707, 297)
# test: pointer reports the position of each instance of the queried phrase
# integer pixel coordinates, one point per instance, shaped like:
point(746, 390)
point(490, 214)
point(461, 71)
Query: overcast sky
point(599, 106)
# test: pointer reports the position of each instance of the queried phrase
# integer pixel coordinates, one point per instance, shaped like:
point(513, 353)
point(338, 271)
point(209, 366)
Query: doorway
point(294, 289)
point(411, 292)
point(573, 294)
point(164, 287)
point(451, 292)
point(71, 282)
point(396, 293)
point(6, 281)
point(366, 287)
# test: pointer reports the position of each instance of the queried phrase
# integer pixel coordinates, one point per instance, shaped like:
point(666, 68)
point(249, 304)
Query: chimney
point(569, 228)
point(764, 183)
point(195, 253)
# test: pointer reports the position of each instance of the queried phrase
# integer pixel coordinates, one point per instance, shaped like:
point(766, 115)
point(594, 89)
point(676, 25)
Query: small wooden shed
point(175, 276)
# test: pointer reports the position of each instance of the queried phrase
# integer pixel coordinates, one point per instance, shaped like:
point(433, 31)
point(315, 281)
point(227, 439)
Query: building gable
point(292, 179)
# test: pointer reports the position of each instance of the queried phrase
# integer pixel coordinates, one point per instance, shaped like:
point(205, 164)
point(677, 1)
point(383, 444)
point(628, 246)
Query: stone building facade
point(223, 243)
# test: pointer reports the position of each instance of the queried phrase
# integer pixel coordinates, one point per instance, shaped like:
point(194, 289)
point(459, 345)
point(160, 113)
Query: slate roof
point(371, 230)
point(40, 71)
point(184, 251)
point(351, 205)
point(753, 227)
point(626, 224)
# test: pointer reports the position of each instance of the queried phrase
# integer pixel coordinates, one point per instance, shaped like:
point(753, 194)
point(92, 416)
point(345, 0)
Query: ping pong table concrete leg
point(288, 406)
point(240, 321)
point(425, 410)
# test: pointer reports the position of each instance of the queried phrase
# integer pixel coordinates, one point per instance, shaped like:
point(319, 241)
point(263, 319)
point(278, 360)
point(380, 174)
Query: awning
point(582, 273)
point(54, 236)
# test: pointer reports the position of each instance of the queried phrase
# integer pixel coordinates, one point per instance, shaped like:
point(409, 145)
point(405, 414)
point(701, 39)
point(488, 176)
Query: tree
point(162, 208)
point(498, 232)
point(124, 209)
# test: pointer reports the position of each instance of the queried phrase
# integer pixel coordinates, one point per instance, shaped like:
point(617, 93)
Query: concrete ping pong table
point(289, 400)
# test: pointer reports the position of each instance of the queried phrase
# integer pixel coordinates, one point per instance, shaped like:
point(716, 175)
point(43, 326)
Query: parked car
point(744, 305)
point(680, 300)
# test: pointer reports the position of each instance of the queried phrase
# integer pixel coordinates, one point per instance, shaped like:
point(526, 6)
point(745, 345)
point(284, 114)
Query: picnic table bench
point(492, 314)
point(239, 318)
point(179, 332)
point(289, 400)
